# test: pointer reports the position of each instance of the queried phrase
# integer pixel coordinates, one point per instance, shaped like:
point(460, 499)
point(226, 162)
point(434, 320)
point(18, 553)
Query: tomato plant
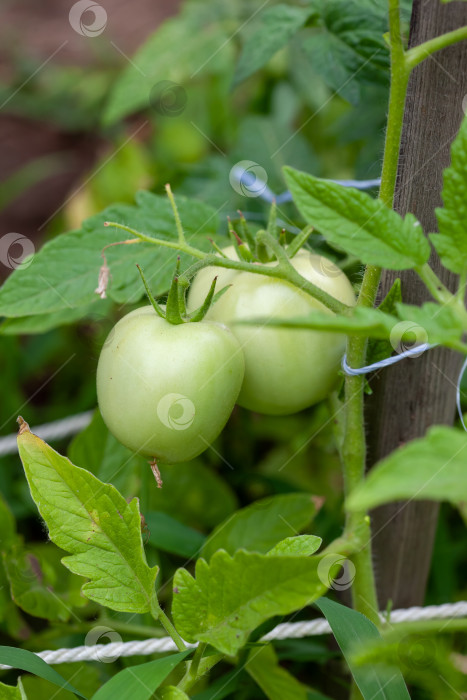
point(278, 515)
point(285, 370)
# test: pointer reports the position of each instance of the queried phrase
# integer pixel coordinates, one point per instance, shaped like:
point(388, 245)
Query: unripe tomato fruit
point(286, 370)
point(166, 391)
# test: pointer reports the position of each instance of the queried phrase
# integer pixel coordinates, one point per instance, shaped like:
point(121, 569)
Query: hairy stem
point(159, 614)
point(282, 270)
point(354, 446)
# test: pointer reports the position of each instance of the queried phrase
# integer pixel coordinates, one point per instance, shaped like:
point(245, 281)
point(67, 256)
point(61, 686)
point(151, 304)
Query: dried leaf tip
point(23, 426)
point(103, 279)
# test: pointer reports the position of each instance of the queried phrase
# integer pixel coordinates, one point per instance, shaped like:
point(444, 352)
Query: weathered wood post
point(414, 394)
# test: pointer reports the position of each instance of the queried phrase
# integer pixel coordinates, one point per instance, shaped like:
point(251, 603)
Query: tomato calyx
point(175, 311)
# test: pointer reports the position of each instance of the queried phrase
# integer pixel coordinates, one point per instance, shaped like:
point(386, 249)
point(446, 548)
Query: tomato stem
point(159, 614)
point(419, 53)
point(281, 271)
point(354, 445)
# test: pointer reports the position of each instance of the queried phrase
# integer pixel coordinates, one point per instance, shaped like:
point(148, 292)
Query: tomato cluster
point(166, 391)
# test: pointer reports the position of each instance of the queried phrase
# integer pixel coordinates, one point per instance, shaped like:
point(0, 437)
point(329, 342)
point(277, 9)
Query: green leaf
point(261, 525)
point(140, 682)
point(169, 535)
point(349, 628)
point(432, 467)
point(351, 51)
point(196, 493)
point(440, 324)
point(9, 692)
point(63, 274)
point(298, 546)
point(7, 525)
point(231, 596)
point(268, 33)
point(451, 241)
point(203, 48)
point(27, 661)
point(360, 321)
point(379, 349)
point(275, 682)
point(37, 587)
point(359, 224)
point(25, 325)
point(93, 522)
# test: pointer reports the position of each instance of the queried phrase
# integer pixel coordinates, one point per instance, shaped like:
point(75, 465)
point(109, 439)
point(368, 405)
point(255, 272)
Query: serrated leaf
point(349, 628)
point(359, 224)
point(63, 274)
point(140, 682)
point(298, 546)
point(27, 661)
point(259, 526)
point(351, 50)
point(275, 682)
point(432, 467)
point(360, 321)
point(268, 32)
point(203, 48)
point(451, 241)
point(440, 324)
point(380, 349)
point(231, 596)
point(93, 522)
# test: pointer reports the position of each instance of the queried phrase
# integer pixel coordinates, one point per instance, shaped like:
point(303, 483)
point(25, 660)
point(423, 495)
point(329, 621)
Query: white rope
point(50, 431)
point(287, 630)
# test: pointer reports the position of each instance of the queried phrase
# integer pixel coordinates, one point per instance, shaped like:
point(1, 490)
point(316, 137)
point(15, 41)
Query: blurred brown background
point(34, 35)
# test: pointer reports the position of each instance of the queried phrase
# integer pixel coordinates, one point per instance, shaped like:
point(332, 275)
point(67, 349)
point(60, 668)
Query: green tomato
point(166, 391)
point(286, 370)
